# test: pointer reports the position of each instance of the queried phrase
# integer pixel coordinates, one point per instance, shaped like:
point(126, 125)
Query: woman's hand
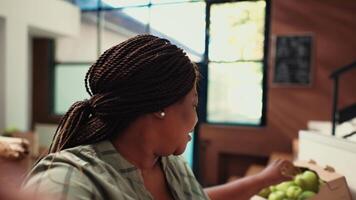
point(278, 171)
point(245, 188)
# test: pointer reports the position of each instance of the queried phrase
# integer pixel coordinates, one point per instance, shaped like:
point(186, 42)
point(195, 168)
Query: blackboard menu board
point(292, 64)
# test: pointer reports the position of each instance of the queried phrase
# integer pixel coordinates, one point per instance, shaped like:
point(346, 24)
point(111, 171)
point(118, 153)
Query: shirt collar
point(107, 152)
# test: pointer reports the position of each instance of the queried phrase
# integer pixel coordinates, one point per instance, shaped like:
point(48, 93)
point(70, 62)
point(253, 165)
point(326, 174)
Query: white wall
point(52, 18)
point(17, 99)
point(2, 73)
point(83, 48)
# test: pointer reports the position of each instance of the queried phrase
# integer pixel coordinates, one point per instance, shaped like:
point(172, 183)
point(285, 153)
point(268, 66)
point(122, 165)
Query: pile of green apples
point(304, 186)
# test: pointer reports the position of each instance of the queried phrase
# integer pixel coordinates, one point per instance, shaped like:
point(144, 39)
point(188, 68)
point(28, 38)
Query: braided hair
point(143, 74)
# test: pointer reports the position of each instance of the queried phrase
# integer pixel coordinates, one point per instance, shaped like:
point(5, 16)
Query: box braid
point(141, 75)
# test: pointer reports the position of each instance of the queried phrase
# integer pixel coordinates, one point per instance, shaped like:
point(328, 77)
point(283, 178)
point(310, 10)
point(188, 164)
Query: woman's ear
point(160, 114)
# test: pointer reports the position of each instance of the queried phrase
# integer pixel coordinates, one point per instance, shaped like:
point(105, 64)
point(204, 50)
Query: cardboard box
point(330, 150)
point(335, 187)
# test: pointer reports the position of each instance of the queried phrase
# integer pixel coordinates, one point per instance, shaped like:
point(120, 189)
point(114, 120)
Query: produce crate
point(335, 187)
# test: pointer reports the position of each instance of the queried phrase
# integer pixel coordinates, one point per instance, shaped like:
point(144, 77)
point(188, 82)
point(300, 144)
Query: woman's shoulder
point(59, 163)
point(77, 157)
point(57, 172)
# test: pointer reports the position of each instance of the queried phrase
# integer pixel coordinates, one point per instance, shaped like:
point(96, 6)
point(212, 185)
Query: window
point(236, 63)
point(68, 86)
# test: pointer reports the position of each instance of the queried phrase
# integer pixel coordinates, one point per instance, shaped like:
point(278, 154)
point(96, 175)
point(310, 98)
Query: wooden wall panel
point(42, 62)
point(290, 108)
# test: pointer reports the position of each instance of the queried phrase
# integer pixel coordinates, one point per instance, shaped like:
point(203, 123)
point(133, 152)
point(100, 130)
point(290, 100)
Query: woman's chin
point(177, 153)
point(180, 150)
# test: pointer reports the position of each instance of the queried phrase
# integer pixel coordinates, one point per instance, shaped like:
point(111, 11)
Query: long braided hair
point(141, 75)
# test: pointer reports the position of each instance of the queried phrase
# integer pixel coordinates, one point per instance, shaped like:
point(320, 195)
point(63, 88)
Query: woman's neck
point(133, 146)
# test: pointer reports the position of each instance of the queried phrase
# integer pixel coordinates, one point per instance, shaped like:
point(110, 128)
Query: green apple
point(306, 195)
point(293, 191)
point(284, 185)
point(264, 192)
point(298, 179)
point(272, 188)
point(308, 180)
point(277, 195)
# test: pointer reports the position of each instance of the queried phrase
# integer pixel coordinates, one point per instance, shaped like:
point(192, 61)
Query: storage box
point(335, 187)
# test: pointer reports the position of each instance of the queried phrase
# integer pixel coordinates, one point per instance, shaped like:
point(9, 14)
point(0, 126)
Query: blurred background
point(270, 69)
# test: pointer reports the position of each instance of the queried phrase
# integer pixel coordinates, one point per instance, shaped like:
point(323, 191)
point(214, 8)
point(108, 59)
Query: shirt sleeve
point(60, 181)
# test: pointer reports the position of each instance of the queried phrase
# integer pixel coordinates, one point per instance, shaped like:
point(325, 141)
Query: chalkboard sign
point(292, 64)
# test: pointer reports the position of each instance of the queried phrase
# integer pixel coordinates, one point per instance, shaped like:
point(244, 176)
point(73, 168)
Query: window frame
point(205, 71)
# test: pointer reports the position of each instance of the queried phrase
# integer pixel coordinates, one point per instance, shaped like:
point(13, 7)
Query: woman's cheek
point(191, 117)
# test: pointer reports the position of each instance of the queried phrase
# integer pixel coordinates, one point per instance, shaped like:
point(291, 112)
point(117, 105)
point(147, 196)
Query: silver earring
point(163, 114)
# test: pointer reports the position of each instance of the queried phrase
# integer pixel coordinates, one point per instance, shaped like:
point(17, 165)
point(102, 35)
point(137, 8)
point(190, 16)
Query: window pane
point(94, 4)
point(235, 93)
point(83, 47)
point(87, 4)
point(189, 151)
point(123, 3)
point(185, 30)
point(237, 31)
point(69, 86)
point(119, 25)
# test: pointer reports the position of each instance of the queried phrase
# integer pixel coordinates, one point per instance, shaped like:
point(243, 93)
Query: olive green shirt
point(98, 171)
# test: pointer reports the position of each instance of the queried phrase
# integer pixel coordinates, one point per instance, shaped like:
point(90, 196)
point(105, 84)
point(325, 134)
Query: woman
point(125, 141)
